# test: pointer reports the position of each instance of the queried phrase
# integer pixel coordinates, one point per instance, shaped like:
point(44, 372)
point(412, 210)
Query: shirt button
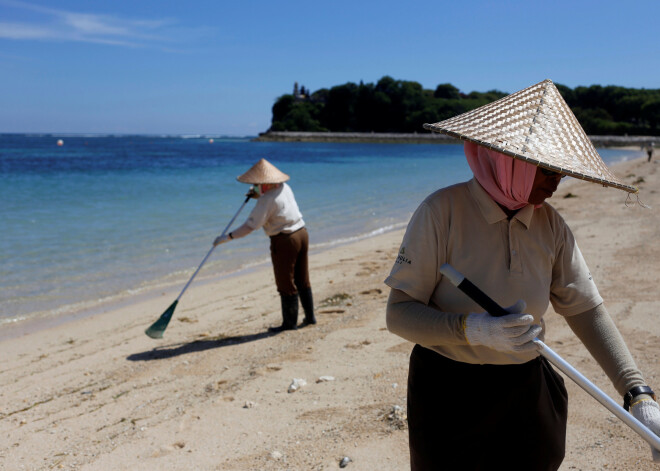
point(514, 252)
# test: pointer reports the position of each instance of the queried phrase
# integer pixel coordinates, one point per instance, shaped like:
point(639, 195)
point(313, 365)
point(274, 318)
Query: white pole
point(599, 395)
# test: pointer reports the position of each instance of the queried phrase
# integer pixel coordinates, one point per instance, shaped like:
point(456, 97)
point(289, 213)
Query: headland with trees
point(391, 110)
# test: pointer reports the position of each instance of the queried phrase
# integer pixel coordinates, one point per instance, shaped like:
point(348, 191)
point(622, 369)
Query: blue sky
point(216, 67)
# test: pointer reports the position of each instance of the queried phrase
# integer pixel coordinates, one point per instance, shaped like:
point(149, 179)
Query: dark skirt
point(477, 417)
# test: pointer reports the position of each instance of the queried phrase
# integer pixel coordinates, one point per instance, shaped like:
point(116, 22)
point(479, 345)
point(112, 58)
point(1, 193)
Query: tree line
point(403, 106)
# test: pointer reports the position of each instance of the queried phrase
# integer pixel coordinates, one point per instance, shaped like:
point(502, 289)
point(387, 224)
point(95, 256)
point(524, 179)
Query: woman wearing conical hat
point(479, 394)
point(277, 213)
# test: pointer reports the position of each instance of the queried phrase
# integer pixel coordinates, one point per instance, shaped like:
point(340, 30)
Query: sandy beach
point(97, 394)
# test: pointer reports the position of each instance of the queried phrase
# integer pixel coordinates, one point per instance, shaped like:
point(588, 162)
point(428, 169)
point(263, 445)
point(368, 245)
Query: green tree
point(339, 111)
point(292, 115)
point(392, 105)
point(447, 91)
point(651, 113)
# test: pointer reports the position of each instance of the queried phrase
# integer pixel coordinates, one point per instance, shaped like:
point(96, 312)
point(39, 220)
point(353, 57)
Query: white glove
point(647, 412)
point(511, 333)
point(221, 240)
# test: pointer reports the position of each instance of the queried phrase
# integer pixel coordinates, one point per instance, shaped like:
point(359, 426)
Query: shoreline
point(36, 321)
point(421, 138)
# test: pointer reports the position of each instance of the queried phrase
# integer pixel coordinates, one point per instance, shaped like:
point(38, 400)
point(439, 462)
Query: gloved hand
point(647, 411)
point(220, 240)
point(511, 333)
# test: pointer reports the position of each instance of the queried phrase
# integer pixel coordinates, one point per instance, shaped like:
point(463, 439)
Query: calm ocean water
point(101, 216)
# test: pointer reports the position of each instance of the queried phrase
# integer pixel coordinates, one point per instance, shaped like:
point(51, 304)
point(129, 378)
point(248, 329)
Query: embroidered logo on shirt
point(401, 259)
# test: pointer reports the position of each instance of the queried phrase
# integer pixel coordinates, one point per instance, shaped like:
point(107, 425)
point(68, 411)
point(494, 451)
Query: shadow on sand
point(169, 351)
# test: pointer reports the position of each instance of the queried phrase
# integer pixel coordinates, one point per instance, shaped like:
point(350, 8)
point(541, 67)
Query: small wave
point(367, 235)
point(12, 320)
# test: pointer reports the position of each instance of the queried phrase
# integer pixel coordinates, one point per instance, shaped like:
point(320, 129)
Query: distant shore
point(422, 138)
point(372, 137)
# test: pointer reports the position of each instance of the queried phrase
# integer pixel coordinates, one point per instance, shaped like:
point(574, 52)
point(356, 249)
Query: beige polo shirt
point(533, 257)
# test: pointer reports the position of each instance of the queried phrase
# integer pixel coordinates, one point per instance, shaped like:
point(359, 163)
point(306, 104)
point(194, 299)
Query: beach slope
point(214, 394)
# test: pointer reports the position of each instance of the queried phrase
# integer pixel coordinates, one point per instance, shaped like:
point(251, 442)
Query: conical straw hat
point(537, 126)
point(263, 172)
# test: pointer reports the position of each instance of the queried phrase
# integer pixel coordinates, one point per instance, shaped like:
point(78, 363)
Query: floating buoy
point(210, 141)
point(60, 142)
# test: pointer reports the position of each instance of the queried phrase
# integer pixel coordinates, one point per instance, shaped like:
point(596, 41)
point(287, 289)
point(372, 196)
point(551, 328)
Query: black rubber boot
point(307, 302)
point(289, 313)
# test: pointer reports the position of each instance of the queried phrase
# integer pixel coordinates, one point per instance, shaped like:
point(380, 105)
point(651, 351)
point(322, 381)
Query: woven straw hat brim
point(537, 126)
point(263, 172)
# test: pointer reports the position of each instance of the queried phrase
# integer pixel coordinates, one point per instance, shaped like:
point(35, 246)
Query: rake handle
point(212, 248)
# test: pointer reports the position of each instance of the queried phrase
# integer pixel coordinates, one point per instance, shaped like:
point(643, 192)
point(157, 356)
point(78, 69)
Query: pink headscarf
point(507, 180)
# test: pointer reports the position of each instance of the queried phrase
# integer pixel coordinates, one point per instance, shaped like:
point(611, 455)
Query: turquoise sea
point(102, 216)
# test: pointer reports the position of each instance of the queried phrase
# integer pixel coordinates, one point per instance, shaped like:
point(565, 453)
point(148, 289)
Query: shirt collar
point(491, 211)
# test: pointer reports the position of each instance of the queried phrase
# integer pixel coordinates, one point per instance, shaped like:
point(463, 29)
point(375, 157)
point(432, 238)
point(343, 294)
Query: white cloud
point(85, 23)
point(61, 25)
point(22, 31)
